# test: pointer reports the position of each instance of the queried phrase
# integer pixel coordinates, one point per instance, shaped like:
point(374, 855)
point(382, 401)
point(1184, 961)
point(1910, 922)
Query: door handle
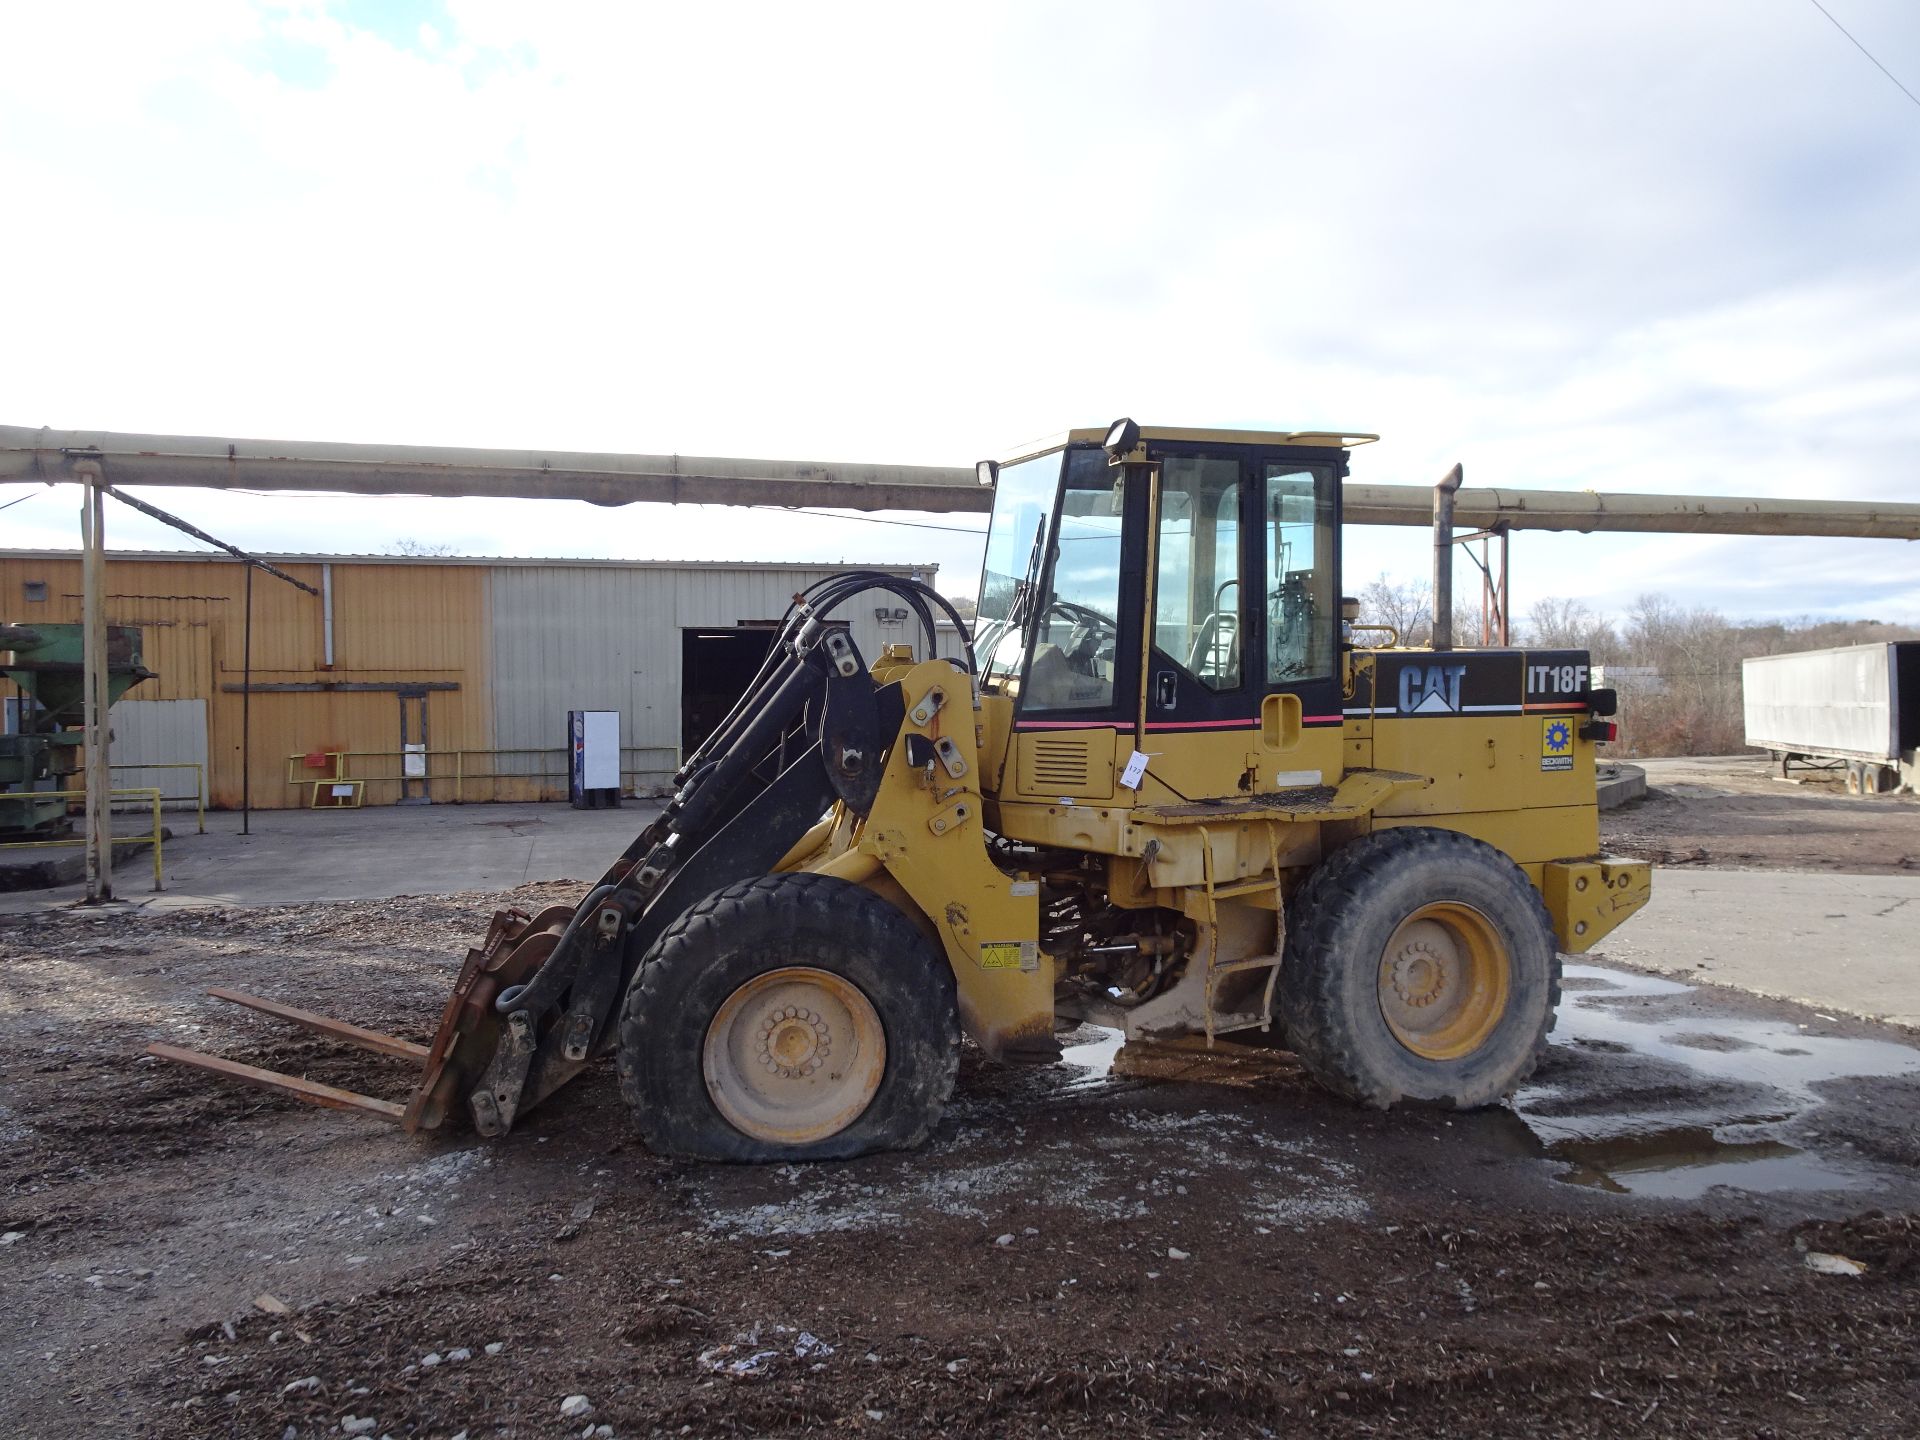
point(1164, 692)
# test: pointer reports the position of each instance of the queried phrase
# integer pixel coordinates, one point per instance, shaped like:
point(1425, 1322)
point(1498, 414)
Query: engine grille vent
point(1063, 765)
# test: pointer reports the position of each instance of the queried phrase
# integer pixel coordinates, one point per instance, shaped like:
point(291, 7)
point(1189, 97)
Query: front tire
point(1423, 966)
point(791, 1017)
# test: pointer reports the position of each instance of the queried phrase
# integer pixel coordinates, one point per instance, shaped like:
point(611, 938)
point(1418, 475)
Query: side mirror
point(987, 472)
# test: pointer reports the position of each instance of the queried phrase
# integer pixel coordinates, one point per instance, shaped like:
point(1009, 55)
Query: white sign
point(1136, 770)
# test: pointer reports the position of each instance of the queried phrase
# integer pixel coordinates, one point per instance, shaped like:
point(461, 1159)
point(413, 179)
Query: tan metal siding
point(391, 623)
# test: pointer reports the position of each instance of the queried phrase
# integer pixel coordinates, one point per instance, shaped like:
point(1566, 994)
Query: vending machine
point(593, 758)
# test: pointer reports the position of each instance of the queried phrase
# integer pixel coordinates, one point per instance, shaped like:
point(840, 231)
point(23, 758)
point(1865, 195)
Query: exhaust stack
point(1443, 494)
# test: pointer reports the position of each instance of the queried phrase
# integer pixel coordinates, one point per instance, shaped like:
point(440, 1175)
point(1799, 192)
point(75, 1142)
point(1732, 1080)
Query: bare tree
point(407, 545)
point(1559, 624)
point(1407, 606)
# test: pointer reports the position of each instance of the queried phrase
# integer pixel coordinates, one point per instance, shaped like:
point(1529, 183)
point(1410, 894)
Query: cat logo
point(1556, 744)
point(1431, 689)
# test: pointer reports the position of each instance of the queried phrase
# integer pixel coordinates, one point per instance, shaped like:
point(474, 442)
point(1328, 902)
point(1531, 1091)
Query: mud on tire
point(1336, 982)
point(737, 938)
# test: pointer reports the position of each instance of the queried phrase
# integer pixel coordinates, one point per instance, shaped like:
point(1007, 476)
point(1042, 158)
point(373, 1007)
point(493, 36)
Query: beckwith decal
point(1556, 745)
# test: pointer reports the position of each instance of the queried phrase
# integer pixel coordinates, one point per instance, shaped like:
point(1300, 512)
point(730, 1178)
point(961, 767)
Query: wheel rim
point(1444, 980)
point(795, 1054)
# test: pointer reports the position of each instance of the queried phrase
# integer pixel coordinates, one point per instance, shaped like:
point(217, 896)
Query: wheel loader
point(1167, 788)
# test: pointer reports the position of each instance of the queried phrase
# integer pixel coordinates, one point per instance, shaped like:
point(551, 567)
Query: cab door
point(1241, 696)
point(1202, 712)
point(1297, 536)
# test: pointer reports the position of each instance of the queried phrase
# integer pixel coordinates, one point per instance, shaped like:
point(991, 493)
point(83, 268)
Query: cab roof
point(1310, 439)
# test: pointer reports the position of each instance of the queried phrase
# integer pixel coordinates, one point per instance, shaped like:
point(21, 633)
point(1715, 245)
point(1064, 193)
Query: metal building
point(442, 679)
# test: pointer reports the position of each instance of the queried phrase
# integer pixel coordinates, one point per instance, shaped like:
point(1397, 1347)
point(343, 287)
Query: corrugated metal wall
point(569, 637)
point(520, 644)
point(163, 734)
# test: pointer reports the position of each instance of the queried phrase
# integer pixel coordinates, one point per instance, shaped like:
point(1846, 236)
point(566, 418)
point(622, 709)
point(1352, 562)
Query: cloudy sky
point(1634, 246)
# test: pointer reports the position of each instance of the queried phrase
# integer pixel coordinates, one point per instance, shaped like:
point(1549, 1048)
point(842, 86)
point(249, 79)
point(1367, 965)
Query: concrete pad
point(1616, 784)
point(299, 855)
point(1846, 944)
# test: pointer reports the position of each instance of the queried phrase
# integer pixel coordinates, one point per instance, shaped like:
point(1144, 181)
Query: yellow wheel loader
point(1166, 789)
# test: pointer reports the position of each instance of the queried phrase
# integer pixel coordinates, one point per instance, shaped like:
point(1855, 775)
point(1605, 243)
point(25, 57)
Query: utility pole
point(93, 615)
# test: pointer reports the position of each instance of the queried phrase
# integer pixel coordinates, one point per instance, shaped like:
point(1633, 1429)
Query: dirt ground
point(1135, 1244)
point(1731, 812)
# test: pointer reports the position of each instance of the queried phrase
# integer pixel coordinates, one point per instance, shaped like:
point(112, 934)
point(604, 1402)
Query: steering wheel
point(1093, 634)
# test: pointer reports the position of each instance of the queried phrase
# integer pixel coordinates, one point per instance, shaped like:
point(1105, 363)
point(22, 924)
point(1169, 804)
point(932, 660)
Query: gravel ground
point(1128, 1245)
point(1731, 812)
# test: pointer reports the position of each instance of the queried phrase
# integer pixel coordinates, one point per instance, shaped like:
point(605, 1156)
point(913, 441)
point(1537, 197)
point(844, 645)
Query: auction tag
point(1136, 770)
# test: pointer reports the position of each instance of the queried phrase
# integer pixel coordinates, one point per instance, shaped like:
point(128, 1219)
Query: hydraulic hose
point(557, 971)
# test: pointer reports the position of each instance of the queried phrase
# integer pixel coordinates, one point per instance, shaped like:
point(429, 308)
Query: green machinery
point(45, 664)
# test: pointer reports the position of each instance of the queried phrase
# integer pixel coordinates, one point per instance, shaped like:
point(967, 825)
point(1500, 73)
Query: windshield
point(1022, 501)
point(1074, 626)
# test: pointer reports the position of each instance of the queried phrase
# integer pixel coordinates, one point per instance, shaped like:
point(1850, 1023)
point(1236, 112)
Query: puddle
point(1659, 1100)
point(1092, 1057)
point(1744, 1082)
point(1686, 1163)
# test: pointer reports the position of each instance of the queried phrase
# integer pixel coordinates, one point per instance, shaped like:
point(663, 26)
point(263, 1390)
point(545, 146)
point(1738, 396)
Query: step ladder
point(1217, 969)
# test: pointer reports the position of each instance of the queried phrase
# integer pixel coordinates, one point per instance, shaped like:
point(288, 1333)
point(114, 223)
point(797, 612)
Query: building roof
point(926, 567)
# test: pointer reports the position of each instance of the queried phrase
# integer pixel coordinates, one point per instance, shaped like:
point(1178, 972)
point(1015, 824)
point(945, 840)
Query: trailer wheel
point(1423, 967)
point(792, 1017)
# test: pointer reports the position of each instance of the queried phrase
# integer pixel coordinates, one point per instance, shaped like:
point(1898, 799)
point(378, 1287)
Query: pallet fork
point(462, 1046)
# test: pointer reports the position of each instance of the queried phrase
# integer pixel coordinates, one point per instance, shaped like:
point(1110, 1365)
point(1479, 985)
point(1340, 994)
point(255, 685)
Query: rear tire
point(791, 1017)
point(1422, 966)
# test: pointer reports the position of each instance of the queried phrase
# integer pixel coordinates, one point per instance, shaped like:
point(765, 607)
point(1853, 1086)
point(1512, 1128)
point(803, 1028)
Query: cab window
point(1300, 573)
point(1076, 639)
point(1197, 592)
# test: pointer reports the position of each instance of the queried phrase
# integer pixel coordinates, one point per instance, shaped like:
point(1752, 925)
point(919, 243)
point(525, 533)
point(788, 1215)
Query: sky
point(1632, 247)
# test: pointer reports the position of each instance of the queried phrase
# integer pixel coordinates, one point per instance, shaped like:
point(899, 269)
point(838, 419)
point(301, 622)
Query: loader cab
point(1169, 592)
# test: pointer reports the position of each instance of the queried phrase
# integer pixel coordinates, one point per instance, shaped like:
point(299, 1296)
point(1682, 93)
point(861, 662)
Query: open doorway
point(716, 666)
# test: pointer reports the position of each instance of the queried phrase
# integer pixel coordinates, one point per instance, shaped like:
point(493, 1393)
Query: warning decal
point(1010, 955)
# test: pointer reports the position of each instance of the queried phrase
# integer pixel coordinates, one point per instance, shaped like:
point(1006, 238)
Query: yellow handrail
point(153, 795)
point(199, 784)
point(458, 758)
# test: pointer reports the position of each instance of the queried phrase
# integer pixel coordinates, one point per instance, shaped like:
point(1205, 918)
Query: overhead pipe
point(606, 479)
point(1586, 511)
point(603, 479)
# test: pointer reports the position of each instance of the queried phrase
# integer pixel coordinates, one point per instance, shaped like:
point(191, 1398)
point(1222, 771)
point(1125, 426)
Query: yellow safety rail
point(154, 838)
point(459, 760)
point(199, 796)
